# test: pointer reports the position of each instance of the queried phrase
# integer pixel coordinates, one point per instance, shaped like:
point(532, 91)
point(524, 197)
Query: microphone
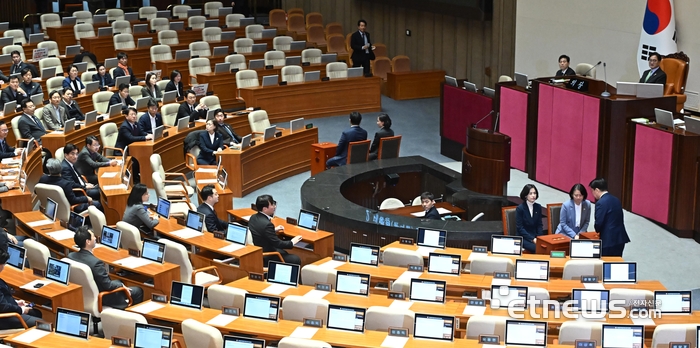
point(483, 118)
point(605, 93)
point(593, 67)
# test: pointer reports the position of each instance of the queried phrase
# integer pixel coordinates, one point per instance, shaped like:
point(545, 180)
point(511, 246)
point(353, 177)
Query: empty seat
point(488, 265)
point(83, 30)
point(17, 35)
point(124, 41)
point(573, 330)
point(336, 44)
point(160, 24)
point(574, 269)
point(275, 58)
point(585, 68)
point(51, 46)
point(83, 17)
point(211, 34)
point(311, 55)
point(313, 18)
point(180, 11)
point(297, 308)
point(296, 10)
point(169, 112)
point(401, 257)
point(282, 43)
point(211, 101)
point(296, 24)
point(334, 28)
point(278, 19)
point(400, 64)
point(293, 73)
point(243, 45)
point(381, 66)
point(254, 31)
point(168, 37)
point(160, 53)
point(115, 14)
point(486, 325)
point(51, 62)
point(391, 203)
point(382, 318)
point(313, 274)
point(148, 12)
point(247, 78)
point(237, 61)
point(380, 50)
point(211, 8)
point(258, 121)
point(316, 34)
point(389, 147)
point(233, 20)
point(50, 20)
point(198, 66)
point(196, 22)
point(200, 48)
point(337, 70)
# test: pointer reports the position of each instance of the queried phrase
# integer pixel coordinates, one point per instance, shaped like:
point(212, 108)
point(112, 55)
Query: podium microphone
point(593, 67)
point(605, 93)
point(483, 118)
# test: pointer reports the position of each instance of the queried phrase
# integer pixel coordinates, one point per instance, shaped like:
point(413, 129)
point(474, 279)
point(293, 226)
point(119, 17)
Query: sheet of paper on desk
point(186, 233)
point(39, 223)
point(109, 174)
point(10, 161)
point(31, 336)
point(305, 332)
point(61, 235)
point(147, 307)
point(9, 178)
point(394, 342)
point(474, 255)
point(206, 170)
point(221, 320)
point(425, 251)
point(206, 181)
point(474, 310)
point(57, 132)
point(133, 262)
point(440, 211)
point(30, 285)
point(496, 281)
point(643, 321)
point(408, 275)
point(245, 218)
point(114, 187)
point(401, 304)
point(594, 286)
point(231, 248)
point(492, 346)
point(333, 264)
point(316, 294)
point(275, 289)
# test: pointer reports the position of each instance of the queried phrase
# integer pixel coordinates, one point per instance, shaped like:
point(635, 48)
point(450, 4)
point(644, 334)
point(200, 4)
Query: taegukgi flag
point(658, 32)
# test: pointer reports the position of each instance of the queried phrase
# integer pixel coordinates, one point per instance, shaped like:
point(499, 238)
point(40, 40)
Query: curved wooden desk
point(56, 140)
point(113, 200)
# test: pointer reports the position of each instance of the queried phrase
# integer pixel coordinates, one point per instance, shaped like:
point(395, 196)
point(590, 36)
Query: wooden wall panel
point(463, 48)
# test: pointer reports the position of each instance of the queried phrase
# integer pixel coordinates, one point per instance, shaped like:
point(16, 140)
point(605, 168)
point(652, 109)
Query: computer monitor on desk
point(242, 342)
point(283, 273)
point(516, 296)
point(444, 263)
point(308, 220)
point(111, 237)
point(428, 290)
point(17, 256)
point(310, 76)
point(297, 45)
point(153, 250)
point(585, 249)
point(521, 80)
point(236, 233)
point(590, 301)
point(434, 327)
point(186, 295)
point(532, 270)
point(149, 336)
point(620, 272)
point(261, 307)
point(352, 283)
point(58, 271)
point(346, 318)
point(450, 81)
point(673, 302)
point(364, 254)
point(526, 333)
point(256, 64)
point(72, 323)
point(259, 48)
point(75, 221)
point(431, 238)
point(622, 336)
point(664, 118)
point(270, 80)
point(506, 245)
point(51, 209)
point(294, 60)
point(692, 124)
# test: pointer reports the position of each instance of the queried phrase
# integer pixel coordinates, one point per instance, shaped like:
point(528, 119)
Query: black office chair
point(358, 151)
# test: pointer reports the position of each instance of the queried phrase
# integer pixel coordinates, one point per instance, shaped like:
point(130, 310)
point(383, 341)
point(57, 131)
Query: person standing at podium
point(528, 217)
point(564, 69)
point(609, 219)
point(575, 214)
point(354, 133)
point(654, 74)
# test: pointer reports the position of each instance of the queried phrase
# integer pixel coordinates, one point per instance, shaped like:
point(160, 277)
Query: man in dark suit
point(4, 78)
point(129, 132)
point(362, 49)
point(6, 150)
point(103, 77)
point(189, 109)
point(86, 241)
point(13, 92)
point(9, 305)
point(354, 133)
point(427, 200)
point(265, 233)
point(609, 219)
point(54, 168)
point(209, 198)
point(18, 65)
point(151, 119)
point(123, 68)
point(121, 97)
point(72, 108)
point(69, 172)
point(225, 129)
point(29, 125)
point(90, 159)
point(29, 87)
point(564, 69)
point(654, 74)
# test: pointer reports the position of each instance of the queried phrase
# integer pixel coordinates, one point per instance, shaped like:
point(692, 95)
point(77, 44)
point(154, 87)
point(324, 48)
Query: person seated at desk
point(13, 92)
point(6, 150)
point(54, 178)
point(129, 132)
point(528, 217)
point(152, 90)
point(123, 68)
point(122, 97)
point(229, 135)
point(54, 115)
point(72, 108)
point(9, 305)
point(136, 214)
point(73, 82)
point(90, 159)
point(210, 143)
point(3, 78)
point(28, 86)
point(209, 198)
point(188, 108)
point(103, 77)
point(69, 172)
point(175, 83)
point(18, 65)
point(30, 127)
point(86, 241)
point(575, 214)
point(384, 124)
point(654, 74)
point(151, 119)
point(354, 133)
point(265, 233)
point(564, 69)
point(427, 200)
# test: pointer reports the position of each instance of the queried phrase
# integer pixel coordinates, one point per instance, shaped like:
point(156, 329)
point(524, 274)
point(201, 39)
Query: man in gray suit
point(90, 159)
point(54, 115)
point(86, 241)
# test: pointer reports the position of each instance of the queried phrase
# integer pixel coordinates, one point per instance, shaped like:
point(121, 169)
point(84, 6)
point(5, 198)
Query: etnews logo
point(583, 309)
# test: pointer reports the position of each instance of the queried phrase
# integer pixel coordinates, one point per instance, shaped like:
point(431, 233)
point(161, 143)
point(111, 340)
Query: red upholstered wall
point(513, 123)
point(462, 108)
point(651, 178)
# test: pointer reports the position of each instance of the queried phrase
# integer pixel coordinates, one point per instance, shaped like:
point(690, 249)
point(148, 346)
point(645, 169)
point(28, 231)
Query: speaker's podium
point(486, 162)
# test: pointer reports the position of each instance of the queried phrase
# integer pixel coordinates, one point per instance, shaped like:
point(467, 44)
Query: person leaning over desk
point(90, 159)
point(575, 214)
point(609, 219)
point(528, 217)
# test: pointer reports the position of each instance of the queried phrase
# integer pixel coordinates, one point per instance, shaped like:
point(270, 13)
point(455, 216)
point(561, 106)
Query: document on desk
point(333, 264)
point(30, 285)
point(109, 174)
point(441, 211)
point(594, 286)
point(305, 332)
point(206, 170)
point(114, 187)
point(147, 307)
point(276, 289)
point(186, 233)
point(221, 320)
point(394, 341)
point(496, 281)
point(133, 262)
point(31, 336)
point(39, 223)
point(408, 275)
point(474, 310)
point(316, 294)
point(61, 235)
point(9, 178)
point(231, 248)
point(206, 181)
point(10, 161)
point(425, 251)
point(474, 255)
point(401, 304)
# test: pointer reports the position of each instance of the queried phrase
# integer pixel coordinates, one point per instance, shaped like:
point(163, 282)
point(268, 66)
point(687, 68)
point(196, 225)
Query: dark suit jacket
point(382, 133)
point(4, 78)
point(16, 70)
point(356, 43)
point(609, 221)
point(31, 89)
point(29, 129)
point(119, 72)
point(145, 123)
point(101, 277)
point(179, 88)
point(354, 133)
point(67, 187)
point(7, 96)
point(128, 135)
point(7, 303)
point(529, 227)
point(105, 80)
point(88, 163)
point(146, 92)
point(568, 72)
point(264, 235)
point(212, 221)
point(207, 148)
point(659, 76)
point(432, 214)
point(6, 150)
point(70, 176)
point(116, 99)
point(222, 129)
point(73, 111)
point(184, 111)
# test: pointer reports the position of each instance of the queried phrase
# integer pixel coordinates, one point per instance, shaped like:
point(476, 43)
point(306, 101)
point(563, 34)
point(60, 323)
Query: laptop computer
point(296, 125)
point(256, 64)
point(346, 318)
point(158, 133)
point(149, 336)
point(99, 19)
point(627, 88)
point(269, 133)
point(211, 23)
point(36, 38)
point(221, 68)
point(450, 81)
point(355, 72)
point(364, 254)
point(131, 16)
point(141, 103)
point(72, 323)
point(310, 76)
point(532, 270)
point(186, 295)
point(664, 118)
point(122, 79)
point(242, 342)
point(182, 55)
point(261, 307)
point(444, 263)
point(489, 92)
point(47, 73)
point(245, 141)
point(195, 221)
point(270, 80)
point(104, 32)
point(139, 29)
point(427, 290)
point(244, 22)
point(183, 124)
point(58, 271)
point(506, 245)
point(269, 33)
point(111, 237)
point(308, 220)
point(169, 97)
point(650, 90)
point(51, 209)
point(17, 256)
point(516, 296)
point(352, 283)
point(431, 238)
point(37, 99)
point(294, 60)
point(622, 336)
point(521, 80)
point(5, 59)
point(585, 249)
point(73, 50)
point(194, 12)
point(259, 48)
point(75, 221)
point(9, 108)
point(228, 36)
point(163, 14)
point(68, 21)
point(163, 208)
point(434, 327)
point(471, 87)
point(283, 273)
point(111, 63)
point(153, 250)
point(91, 117)
point(82, 67)
point(620, 272)
point(220, 51)
point(672, 302)
point(223, 11)
point(297, 45)
point(526, 333)
point(329, 57)
point(237, 234)
point(692, 124)
point(144, 42)
point(177, 26)
point(115, 110)
point(92, 87)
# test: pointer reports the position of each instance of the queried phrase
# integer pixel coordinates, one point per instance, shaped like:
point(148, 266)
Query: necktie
point(80, 180)
point(39, 123)
point(648, 76)
point(2, 144)
point(75, 85)
point(229, 133)
point(58, 117)
point(191, 109)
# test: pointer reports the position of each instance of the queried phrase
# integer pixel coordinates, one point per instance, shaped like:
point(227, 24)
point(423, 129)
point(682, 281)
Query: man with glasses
point(654, 74)
point(265, 233)
point(90, 159)
point(6, 150)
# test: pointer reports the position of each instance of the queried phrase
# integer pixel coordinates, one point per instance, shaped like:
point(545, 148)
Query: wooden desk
point(113, 201)
point(205, 249)
point(552, 242)
point(57, 340)
point(316, 99)
point(267, 161)
point(56, 140)
point(15, 200)
point(321, 242)
point(102, 47)
point(414, 84)
point(47, 298)
point(412, 209)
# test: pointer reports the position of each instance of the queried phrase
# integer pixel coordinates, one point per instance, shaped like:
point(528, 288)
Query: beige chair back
point(54, 83)
point(379, 318)
point(391, 203)
point(275, 58)
point(337, 70)
point(83, 17)
point(9, 48)
point(211, 101)
point(17, 35)
point(200, 48)
point(293, 73)
point(148, 13)
point(196, 22)
point(490, 264)
point(131, 237)
point(176, 253)
point(667, 333)
point(44, 191)
point(313, 274)
point(201, 335)
point(97, 219)
point(401, 257)
point(222, 295)
point(297, 308)
point(81, 274)
point(115, 14)
point(37, 254)
point(233, 20)
point(116, 322)
point(243, 45)
point(100, 102)
point(51, 62)
point(168, 37)
point(51, 46)
point(311, 55)
point(247, 78)
point(573, 330)
point(254, 31)
point(574, 269)
point(211, 34)
point(291, 342)
point(124, 41)
point(121, 27)
point(237, 61)
point(282, 43)
point(585, 68)
point(169, 113)
point(211, 8)
point(160, 24)
point(161, 53)
point(258, 121)
point(180, 11)
point(486, 325)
